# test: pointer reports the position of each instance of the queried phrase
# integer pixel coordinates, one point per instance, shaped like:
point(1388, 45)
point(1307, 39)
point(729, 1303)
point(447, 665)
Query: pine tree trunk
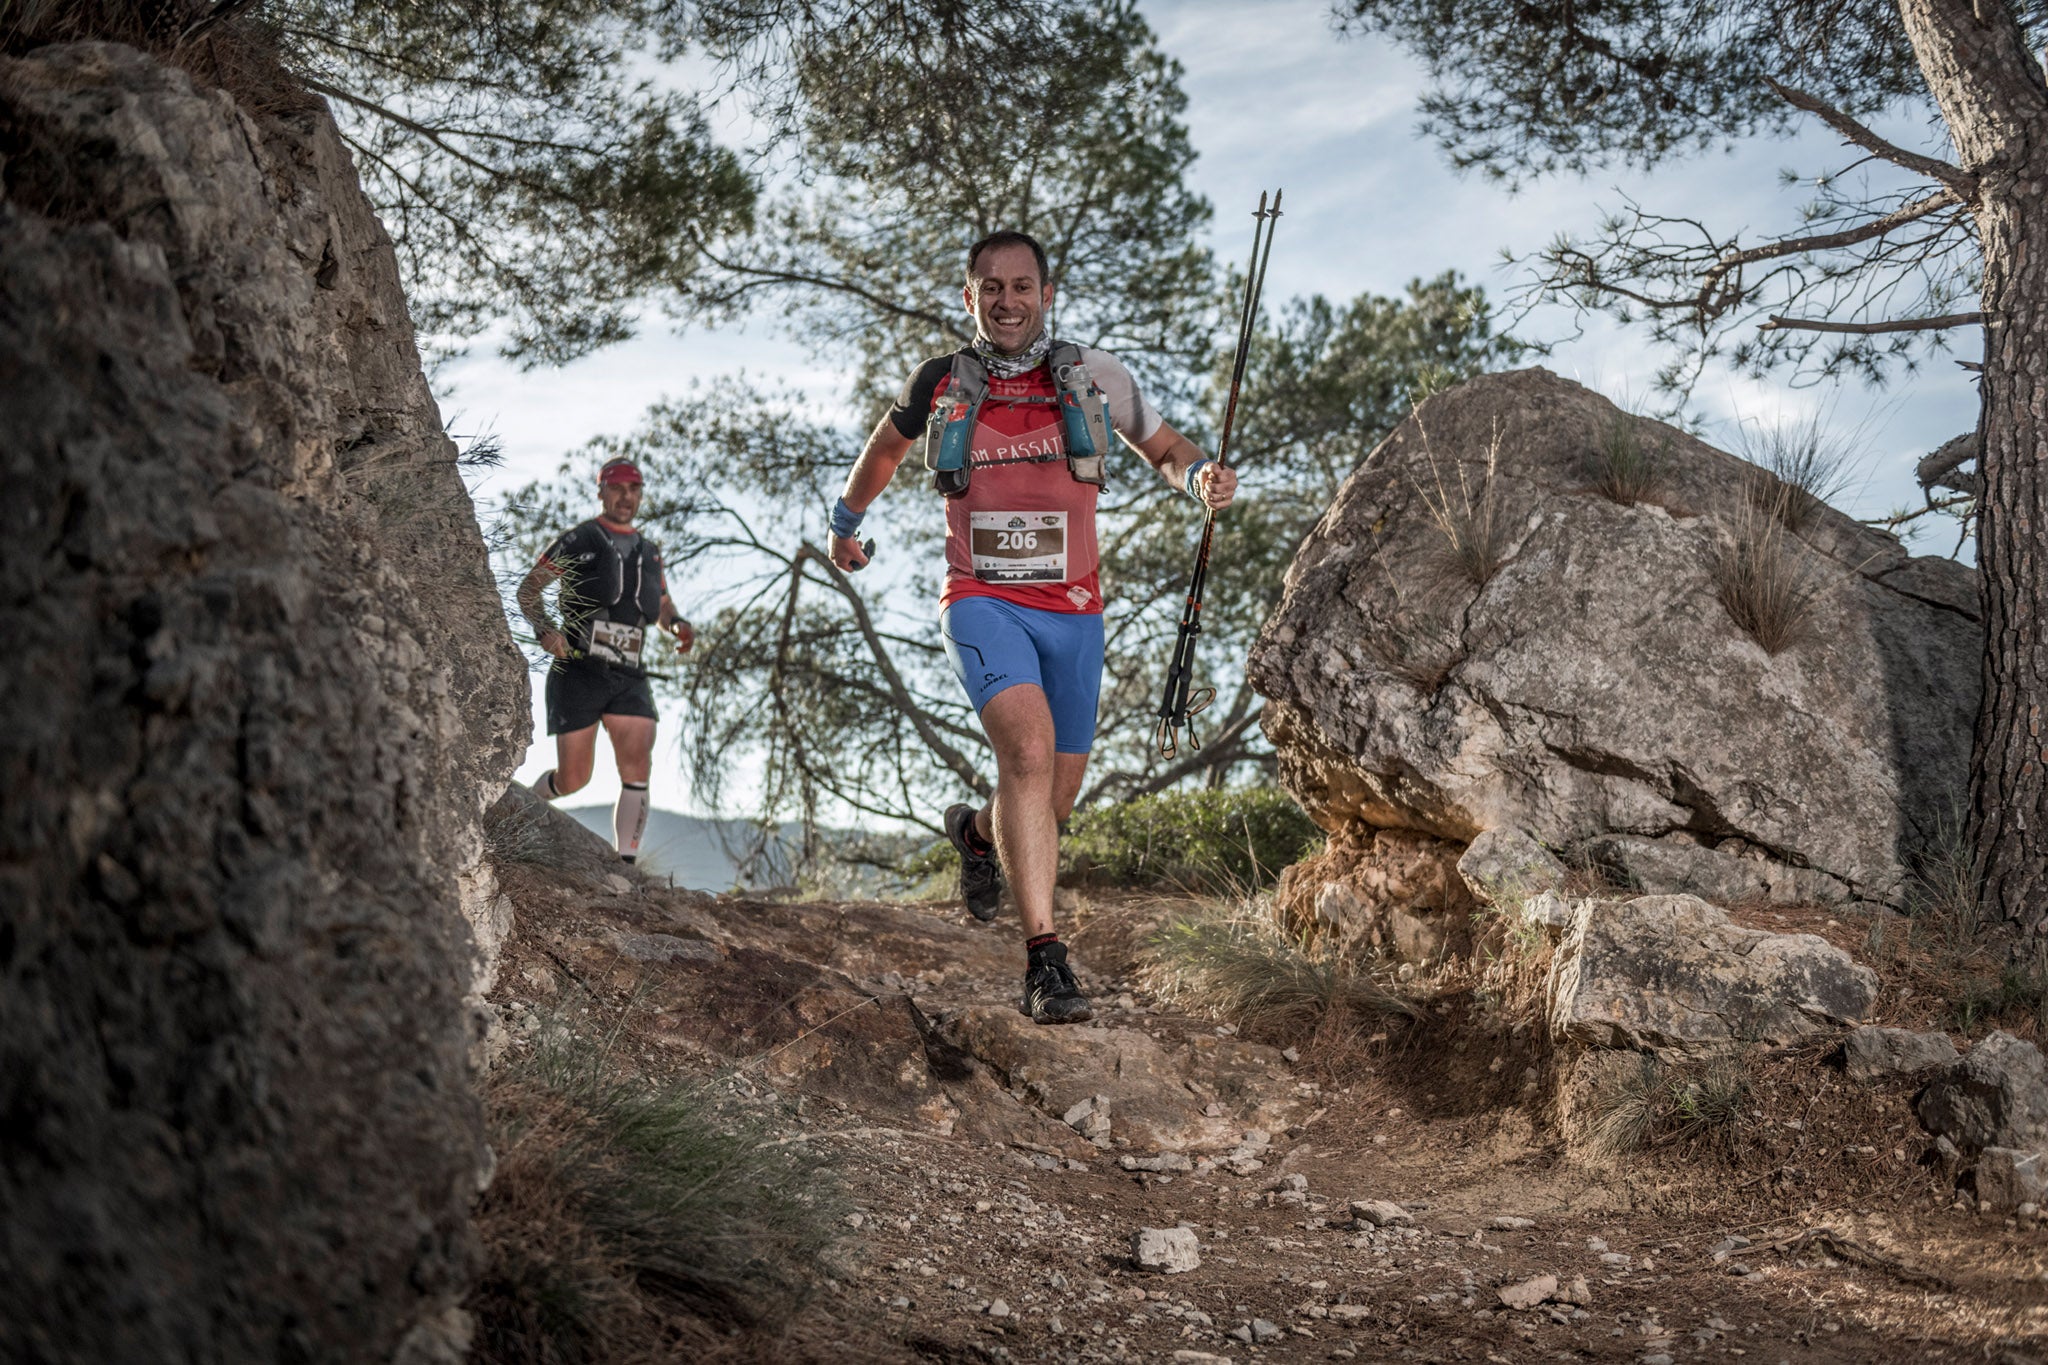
point(1994, 100)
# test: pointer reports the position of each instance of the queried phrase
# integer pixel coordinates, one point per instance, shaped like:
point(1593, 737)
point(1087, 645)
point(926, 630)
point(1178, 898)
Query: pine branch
point(1778, 324)
point(1941, 172)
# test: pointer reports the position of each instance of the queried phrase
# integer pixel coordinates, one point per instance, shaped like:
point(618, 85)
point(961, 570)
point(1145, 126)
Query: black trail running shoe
point(1051, 995)
point(981, 880)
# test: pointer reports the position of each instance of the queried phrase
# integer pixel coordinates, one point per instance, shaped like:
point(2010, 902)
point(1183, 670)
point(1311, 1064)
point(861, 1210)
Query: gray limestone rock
point(260, 688)
point(1673, 973)
point(1870, 1052)
point(1169, 1251)
point(1381, 1213)
point(1594, 684)
point(1528, 1293)
point(1996, 1096)
point(2008, 1178)
point(1675, 864)
point(1503, 866)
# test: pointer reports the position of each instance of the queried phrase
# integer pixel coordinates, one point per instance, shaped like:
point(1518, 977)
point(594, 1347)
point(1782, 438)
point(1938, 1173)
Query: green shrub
point(1232, 839)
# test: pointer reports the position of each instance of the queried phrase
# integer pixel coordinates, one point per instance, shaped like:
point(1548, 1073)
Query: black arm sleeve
point(913, 406)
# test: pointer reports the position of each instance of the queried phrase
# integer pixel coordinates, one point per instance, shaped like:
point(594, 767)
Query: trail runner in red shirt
point(1021, 603)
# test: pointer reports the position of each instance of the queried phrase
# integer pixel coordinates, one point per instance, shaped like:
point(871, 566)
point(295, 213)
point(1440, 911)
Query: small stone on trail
point(1169, 1251)
point(1262, 1331)
point(1381, 1213)
point(1164, 1161)
point(1214, 1110)
point(1291, 1054)
point(999, 1309)
point(1577, 1293)
point(1507, 1222)
point(1726, 1247)
point(1528, 1293)
point(1200, 1358)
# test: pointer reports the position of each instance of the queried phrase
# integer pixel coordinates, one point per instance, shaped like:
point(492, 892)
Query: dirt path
point(985, 1227)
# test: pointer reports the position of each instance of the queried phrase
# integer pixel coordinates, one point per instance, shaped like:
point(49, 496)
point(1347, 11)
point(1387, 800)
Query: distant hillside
point(723, 855)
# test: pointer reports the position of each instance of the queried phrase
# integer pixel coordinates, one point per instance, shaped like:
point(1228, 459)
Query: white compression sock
point(546, 786)
point(629, 818)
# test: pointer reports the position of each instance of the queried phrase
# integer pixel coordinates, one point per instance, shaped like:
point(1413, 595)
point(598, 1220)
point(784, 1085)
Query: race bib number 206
point(1018, 547)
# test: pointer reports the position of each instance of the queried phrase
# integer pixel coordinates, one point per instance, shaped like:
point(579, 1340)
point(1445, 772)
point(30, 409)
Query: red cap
point(618, 471)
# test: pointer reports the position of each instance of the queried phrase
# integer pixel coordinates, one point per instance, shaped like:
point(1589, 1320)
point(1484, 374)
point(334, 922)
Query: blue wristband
point(845, 521)
point(1194, 472)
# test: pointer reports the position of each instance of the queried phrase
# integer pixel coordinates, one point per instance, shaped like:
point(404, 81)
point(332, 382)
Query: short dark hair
point(996, 239)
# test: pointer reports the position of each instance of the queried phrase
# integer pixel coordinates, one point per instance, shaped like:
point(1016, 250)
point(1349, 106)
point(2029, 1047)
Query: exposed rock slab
point(1149, 1103)
point(1673, 973)
point(1595, 685)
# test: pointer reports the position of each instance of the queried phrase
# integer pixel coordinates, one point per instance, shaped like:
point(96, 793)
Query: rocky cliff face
point(258, 689)
point(1589, 684)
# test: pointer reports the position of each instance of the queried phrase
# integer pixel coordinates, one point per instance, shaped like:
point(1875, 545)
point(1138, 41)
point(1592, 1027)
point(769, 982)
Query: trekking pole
point(1183, 702)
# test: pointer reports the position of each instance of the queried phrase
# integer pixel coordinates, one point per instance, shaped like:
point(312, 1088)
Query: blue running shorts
point(996, 645)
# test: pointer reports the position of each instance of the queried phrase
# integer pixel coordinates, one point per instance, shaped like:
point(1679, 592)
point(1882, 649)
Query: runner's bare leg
point(1035, 788)
point(575, 754)
point(632, 740)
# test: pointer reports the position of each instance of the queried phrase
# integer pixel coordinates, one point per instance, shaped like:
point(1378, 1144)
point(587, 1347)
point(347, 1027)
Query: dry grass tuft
point(1622, 467)
point(1766, 578)
point(1468, 513)
point(1804, 468)
point(631, 1220)
point(1943, 894)
point(1655, 1104)
point(1245, 970)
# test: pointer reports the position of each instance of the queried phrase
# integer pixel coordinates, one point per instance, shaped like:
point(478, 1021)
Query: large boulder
point(1595, 684)
point(258, 687)
point(1674, 974)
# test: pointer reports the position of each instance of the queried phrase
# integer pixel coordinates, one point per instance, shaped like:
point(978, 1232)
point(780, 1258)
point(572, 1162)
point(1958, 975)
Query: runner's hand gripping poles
point(1179, 707)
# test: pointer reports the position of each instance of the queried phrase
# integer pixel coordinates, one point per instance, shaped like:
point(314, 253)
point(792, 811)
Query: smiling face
point(1006, 297)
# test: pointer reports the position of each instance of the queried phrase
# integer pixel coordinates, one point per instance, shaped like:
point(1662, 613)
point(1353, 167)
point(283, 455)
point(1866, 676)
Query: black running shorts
point(580, 691)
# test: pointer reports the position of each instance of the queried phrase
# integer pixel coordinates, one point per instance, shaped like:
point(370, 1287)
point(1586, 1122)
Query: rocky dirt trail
point(1391, 1200)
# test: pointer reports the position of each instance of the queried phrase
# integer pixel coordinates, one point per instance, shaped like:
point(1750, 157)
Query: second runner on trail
point(1015, 430)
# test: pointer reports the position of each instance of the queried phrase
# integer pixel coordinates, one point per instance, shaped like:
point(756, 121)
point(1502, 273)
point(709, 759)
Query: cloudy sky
point(1275, 98)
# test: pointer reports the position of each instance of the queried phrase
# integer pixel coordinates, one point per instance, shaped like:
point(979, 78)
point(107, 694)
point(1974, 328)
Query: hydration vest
point(949, 432)
point(600, 582)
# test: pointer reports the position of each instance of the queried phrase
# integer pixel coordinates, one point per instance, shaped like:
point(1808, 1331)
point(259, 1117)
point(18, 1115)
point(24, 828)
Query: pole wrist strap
point(1189, 480)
